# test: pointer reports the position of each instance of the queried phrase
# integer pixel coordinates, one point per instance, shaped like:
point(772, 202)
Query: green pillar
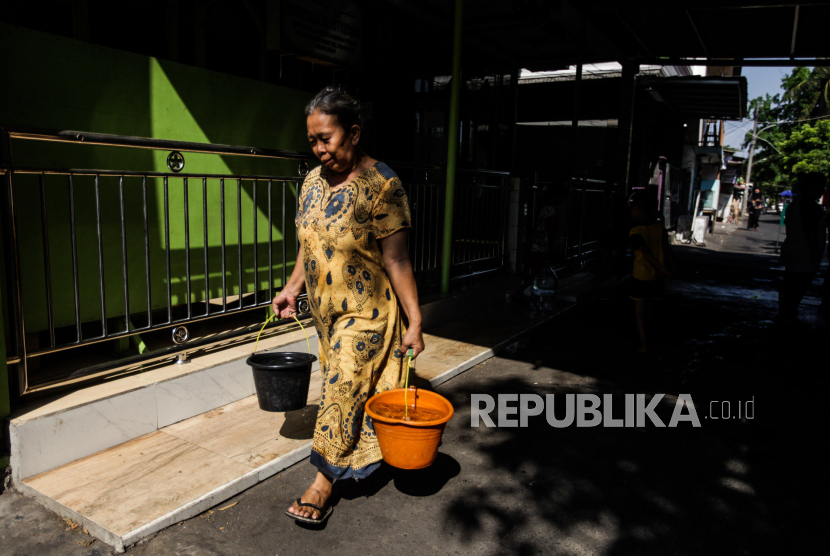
point(5, 395)
point(5, 389)
point(453, 138)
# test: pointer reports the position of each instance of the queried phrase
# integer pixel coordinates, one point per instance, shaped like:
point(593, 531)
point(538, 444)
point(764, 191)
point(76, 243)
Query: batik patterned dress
point(355, 310)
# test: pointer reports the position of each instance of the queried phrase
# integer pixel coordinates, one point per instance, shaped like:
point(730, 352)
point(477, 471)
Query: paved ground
point(733, 486)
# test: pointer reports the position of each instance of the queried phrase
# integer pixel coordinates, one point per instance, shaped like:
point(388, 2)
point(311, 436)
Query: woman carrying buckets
point(353, 261)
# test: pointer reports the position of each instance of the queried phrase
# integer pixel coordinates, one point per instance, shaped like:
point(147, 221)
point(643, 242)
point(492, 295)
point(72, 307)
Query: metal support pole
point(12, 248)
point(514, 116)
point(749, 164)
point(582, 208)
point(626, 118)
point(452, 146)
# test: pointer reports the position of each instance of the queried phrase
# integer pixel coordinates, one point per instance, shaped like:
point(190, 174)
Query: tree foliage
point(787, 144)
point(807, 150)
point(810, 93)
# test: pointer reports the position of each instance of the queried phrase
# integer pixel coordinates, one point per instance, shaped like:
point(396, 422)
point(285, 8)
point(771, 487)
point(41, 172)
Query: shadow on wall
point(60, 84)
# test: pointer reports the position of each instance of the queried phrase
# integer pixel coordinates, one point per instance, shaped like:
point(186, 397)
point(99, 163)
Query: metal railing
point(95, 256)
point(162, 288)
point(585, 218)
point(580, 206)
point(480, 222)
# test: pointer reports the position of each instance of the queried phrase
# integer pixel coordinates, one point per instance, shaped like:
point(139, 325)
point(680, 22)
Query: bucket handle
point(406, 386)
point(307, 341)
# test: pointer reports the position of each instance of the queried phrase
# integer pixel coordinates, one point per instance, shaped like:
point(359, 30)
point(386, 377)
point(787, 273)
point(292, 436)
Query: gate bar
point(167, 249)
point(256, 250)
point(100, 256)
point(284, 247)
point(224, 271)
point(74, 241)
point(205, 230)
point(239, 238)
point(147, 252)
point(270, 245)
point(47, 262)
point(124, 254)
point(12, 241)
point(187, 248)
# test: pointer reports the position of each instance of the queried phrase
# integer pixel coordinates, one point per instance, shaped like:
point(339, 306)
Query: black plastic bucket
point(281, 379)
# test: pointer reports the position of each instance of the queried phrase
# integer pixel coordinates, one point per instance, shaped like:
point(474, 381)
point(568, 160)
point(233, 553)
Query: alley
point(732, 486)
point(312, 186)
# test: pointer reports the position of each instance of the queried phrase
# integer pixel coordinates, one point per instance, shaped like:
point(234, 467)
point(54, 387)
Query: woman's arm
point(285, 304)
point(399, 268)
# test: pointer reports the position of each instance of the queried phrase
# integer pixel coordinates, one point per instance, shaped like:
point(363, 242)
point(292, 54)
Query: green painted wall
point(58, 83)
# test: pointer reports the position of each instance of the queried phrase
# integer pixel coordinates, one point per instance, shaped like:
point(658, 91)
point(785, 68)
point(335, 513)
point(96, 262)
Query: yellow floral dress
point(355, 310)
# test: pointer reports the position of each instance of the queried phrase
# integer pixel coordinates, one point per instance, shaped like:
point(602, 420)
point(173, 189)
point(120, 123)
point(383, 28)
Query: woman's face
point(334, 146)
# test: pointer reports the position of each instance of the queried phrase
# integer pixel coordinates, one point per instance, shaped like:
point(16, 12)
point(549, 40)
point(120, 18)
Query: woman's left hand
point(413, 339)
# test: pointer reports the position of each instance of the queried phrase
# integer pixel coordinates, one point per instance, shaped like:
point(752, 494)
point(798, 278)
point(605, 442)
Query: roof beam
point(697, 34)
point(737, 62)
point(795, 31)
point(506, 56)
point(635, 35)
point(663, 6)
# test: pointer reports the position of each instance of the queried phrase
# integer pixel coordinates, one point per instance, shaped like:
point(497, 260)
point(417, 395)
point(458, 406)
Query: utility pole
point(749, 168)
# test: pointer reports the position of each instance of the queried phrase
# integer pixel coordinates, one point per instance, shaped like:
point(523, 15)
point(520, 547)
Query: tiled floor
point(130, 485)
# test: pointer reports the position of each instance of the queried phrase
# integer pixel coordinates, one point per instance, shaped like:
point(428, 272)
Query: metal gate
point(96, 256)
point(173, 261)
point(580, 205)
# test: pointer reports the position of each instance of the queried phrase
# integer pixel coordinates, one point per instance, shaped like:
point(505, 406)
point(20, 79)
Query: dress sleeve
point(391, 211)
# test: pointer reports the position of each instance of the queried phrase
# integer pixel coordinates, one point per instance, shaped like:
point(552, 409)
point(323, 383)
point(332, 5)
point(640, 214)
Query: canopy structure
point(701, 97)
point(545, 36)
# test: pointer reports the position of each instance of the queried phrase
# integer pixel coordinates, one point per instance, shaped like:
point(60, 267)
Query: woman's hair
point(338, 103)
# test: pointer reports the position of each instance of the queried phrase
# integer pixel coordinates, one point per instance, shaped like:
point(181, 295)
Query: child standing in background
point(653, 262)
point(734, 208)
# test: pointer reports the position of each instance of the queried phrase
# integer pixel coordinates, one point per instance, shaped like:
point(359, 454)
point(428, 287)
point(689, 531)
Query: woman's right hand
point(285, 304)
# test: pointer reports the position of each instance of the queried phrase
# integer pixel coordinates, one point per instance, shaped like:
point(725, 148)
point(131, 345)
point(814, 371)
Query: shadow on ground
point(736, 485)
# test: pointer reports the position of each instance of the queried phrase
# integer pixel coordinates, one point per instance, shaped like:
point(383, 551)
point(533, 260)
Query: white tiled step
point(54, 431)
point(134, 489)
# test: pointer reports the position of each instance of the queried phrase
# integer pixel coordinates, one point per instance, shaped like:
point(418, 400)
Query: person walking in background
point(734, 208)
point(824, 308)
point(805, 244)
point(653, 262)
point(539, 251)
point(755, 205)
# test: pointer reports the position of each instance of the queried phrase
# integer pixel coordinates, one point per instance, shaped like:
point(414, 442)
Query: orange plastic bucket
point(409, 444)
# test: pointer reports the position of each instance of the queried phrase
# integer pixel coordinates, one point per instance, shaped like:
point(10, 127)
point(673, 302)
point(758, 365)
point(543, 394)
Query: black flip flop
point(324, 514)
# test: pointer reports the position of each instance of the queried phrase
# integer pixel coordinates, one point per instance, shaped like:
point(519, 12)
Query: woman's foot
point(318, 494)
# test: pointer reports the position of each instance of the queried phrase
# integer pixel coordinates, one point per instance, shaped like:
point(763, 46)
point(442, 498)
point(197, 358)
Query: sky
point(759, 82)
